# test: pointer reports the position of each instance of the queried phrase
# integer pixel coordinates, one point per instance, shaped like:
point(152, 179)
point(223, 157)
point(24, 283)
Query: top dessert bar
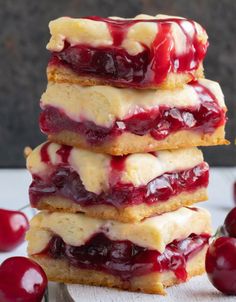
point(143, 52)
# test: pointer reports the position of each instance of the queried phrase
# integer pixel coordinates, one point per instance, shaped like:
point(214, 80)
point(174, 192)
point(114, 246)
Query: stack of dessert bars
point(125, 108)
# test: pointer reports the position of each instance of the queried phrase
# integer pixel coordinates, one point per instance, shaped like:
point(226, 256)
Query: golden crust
point(154, 283)
point(127, 214)
point(128, 142)
point(62, 74)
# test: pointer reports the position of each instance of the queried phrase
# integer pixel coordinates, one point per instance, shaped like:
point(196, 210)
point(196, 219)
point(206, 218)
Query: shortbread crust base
point(63, 74)
point(133, 213)
point(127, 143)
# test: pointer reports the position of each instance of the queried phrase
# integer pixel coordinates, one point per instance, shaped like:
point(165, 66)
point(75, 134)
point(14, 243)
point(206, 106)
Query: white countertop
point(14, 195)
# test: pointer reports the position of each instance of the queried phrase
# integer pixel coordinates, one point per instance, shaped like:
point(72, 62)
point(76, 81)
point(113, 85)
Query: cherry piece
point(221, 264)
point(13, 226)
point(230, 223)
point(21, 280)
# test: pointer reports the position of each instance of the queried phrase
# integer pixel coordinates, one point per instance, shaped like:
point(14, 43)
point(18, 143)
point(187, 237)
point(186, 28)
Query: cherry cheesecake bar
point(147, 256)
point(121, 120)
point(126, 188)
point(143, 52)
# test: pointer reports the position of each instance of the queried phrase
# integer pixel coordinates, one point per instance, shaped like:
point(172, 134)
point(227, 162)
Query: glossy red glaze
point(124, 258)
point(117, 165)
point(44, 153)
point(221, 264)
point(13, 226)
point(149, 67)
point(230, 223)
point(64, 182)
point(21, 280)
point(159, 122)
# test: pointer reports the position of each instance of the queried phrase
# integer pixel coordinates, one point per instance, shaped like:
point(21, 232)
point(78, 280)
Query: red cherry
point(230, 223)
point(13, 225)
point(21, 280)
point(221, 264)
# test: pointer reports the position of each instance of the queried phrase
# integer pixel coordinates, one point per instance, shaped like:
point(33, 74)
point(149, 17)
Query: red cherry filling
point(103, 62)
point(221, 264)
point(67, 183)
point(159, 122)
point(149, 67)
point(13, 226)
point(21, 280)
point(230, 223)
point(124, 258)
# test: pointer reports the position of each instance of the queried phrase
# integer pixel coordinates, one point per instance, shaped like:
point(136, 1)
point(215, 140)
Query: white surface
point(197, 289)
point(14, 195)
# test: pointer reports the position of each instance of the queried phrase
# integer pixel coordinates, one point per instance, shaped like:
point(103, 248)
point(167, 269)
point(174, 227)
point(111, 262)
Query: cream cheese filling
point(95, 168)
point(152, 233)
point(96, 33)
point(104, 105)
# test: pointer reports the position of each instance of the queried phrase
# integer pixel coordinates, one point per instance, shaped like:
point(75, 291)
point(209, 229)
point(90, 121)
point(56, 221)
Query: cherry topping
point(221, 264)
point(13, 225)
point(21, 280)
point(230, 223)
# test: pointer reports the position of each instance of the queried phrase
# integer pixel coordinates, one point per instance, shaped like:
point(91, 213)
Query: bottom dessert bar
point(147, 256)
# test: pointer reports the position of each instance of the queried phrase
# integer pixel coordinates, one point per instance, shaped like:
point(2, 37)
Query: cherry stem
point(219, 233)
point(24, 207)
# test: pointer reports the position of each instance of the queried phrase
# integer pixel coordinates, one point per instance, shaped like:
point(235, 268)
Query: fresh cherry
point(13, 225)
point(221, 264)
point(230, 223)
point(21, 280)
